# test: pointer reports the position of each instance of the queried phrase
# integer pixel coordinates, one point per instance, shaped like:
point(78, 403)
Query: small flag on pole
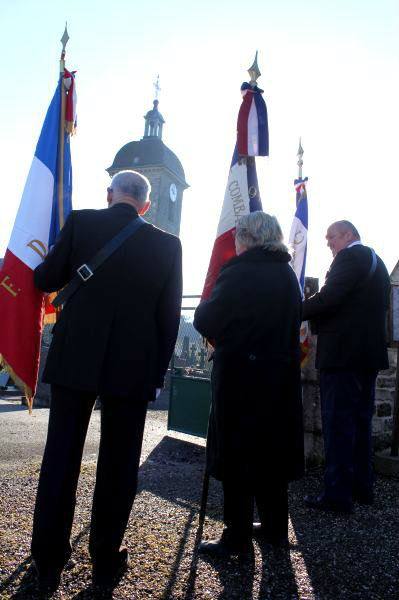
point(242, 190)
point(45, 204)
point(298, 242)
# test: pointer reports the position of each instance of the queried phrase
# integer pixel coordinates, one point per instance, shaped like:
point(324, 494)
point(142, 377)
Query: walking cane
point(204, 497)
point(205, 479)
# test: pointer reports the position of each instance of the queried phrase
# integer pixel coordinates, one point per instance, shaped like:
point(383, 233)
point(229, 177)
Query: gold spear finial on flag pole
point(64, 41)
point(253, 71)
point(300, 161)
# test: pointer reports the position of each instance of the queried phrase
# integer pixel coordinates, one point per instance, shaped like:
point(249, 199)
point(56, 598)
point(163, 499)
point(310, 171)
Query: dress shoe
point(107, 573)
point(363, 498)
point(225, 547)
point(320, 503)
point(47, 582)
point(273, 538)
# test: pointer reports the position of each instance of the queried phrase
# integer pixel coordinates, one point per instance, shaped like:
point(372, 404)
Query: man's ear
point(144, 208)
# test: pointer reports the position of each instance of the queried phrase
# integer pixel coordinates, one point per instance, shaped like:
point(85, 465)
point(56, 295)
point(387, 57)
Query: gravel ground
point(329, 557)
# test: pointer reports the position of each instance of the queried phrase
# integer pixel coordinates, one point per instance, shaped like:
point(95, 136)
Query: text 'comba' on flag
point(45, 204)
point(242, 190)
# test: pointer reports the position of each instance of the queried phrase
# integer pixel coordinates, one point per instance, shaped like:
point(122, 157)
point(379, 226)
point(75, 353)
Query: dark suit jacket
point(116, 334)
point(351, 314)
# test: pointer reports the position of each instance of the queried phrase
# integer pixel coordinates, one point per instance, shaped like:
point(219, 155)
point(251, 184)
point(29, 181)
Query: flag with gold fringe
point(46, 202)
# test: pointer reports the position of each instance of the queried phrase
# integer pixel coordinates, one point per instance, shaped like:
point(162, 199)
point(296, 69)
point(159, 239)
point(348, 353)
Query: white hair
point(132, 184)
point(259, 229)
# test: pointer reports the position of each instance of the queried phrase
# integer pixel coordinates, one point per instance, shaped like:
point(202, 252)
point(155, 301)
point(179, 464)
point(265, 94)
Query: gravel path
point(329, 557)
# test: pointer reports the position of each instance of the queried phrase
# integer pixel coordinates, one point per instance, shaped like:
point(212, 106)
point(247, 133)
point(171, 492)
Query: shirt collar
point(357, 243)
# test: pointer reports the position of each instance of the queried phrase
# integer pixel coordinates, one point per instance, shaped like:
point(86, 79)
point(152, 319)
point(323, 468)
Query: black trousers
point(271, 497)
point(122, 426)
point(347, 406)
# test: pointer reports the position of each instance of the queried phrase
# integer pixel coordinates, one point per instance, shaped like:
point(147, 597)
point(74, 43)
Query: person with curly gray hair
point(255, 435)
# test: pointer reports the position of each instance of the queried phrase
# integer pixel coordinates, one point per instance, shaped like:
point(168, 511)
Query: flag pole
point(254, 74)
point(60, 183)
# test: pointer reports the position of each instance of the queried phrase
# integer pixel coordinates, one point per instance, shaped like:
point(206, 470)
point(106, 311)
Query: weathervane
point(254, 72)
point(157, 88)
point(64, 41)
point(300, 161)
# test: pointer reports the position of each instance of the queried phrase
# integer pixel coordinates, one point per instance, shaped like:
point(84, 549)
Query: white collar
point(357, 243)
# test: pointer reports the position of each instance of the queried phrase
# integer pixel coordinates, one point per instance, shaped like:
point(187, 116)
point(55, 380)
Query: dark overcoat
point(349, 313)
point(254, 316)
point(116, 334)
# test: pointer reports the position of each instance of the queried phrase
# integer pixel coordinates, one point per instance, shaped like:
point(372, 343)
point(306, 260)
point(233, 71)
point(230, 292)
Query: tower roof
point(150, 151)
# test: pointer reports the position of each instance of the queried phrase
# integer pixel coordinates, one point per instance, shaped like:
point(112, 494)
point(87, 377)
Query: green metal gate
point(190, 386)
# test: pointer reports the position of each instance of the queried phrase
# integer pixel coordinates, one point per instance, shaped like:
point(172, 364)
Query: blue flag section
point(299, 232)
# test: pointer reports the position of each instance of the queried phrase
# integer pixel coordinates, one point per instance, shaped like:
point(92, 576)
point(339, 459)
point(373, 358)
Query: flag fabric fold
point(298, 241)
point(45, 204)
point(242, 191)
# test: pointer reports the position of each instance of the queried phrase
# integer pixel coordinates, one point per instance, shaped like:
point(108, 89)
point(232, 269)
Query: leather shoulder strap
point(87, 270)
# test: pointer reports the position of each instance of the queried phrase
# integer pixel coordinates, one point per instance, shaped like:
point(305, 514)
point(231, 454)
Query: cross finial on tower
point(157, 88)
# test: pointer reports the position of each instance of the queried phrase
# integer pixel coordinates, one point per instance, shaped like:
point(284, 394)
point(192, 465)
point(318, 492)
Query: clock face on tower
point(173, 192)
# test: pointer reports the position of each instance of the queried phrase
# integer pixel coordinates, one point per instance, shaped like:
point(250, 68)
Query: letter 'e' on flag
point(45, 204)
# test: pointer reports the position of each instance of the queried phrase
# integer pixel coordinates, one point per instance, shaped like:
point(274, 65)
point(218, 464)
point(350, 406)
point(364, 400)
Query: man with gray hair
point(113, 339)
point(349, 313)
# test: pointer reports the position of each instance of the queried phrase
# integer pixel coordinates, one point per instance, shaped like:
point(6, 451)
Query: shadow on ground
point(329, 557)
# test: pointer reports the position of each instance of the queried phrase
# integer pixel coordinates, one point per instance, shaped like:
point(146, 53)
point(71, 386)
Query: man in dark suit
point(350, 315)
point(114, 339)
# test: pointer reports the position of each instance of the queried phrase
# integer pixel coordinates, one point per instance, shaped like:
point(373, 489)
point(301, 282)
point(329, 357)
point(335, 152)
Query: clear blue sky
point(329, 71)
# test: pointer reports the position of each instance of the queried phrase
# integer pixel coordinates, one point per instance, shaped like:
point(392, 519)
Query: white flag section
point(30, 235)
point(236, 198)
point(298, 241)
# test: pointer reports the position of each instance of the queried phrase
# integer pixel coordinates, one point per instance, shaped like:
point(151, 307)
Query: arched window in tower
point(152, 128)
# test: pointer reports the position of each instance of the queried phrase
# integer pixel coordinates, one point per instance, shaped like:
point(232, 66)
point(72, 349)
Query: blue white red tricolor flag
point(298, 242)
point(45, 204)
point(242, 191)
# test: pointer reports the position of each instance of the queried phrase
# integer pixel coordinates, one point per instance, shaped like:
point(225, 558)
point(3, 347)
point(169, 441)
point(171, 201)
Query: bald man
point(349, 313)
point(114, 339)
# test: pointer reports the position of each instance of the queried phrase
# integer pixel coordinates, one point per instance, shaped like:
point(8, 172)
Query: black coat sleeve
point(212, 316)
point(54, 272)
point(345, 274)
point(168, 315)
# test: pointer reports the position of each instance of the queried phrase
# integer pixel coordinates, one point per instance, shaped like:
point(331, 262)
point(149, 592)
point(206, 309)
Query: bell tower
point(151, 157)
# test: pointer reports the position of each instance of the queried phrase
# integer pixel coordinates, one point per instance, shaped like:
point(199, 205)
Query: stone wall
point(382, 419)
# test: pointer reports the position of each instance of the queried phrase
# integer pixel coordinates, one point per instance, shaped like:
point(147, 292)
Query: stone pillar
point(314, 449)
